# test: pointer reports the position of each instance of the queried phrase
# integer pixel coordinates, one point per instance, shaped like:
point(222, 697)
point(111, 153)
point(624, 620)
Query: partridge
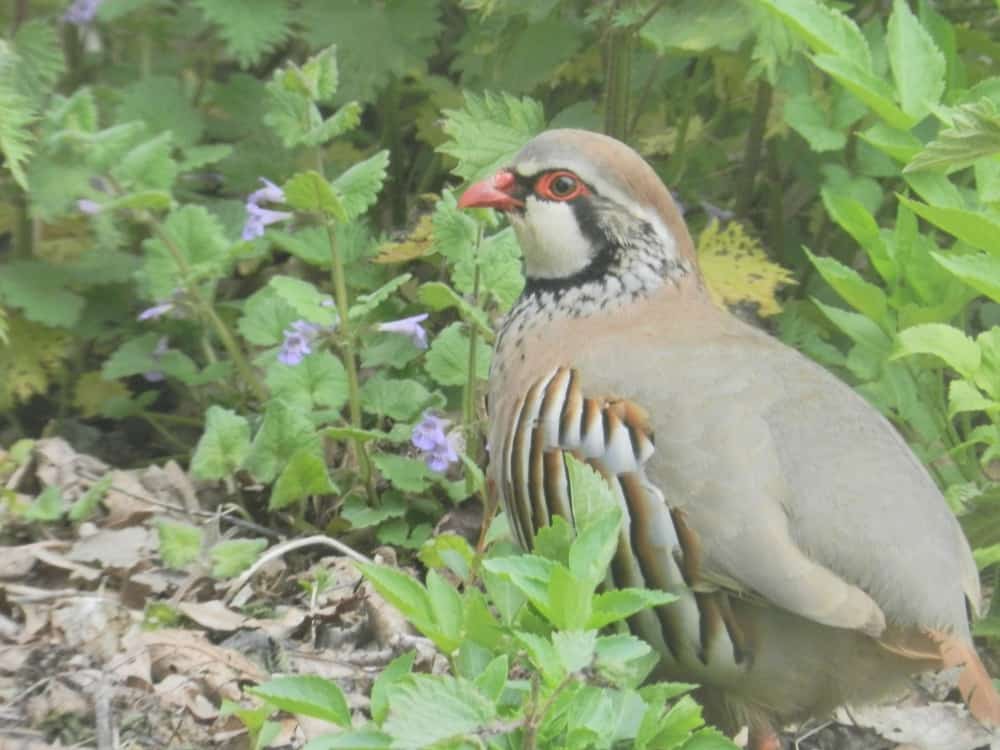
point(814, 560)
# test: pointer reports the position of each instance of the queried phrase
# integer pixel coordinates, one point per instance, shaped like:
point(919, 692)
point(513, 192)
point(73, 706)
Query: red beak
point(494, 192)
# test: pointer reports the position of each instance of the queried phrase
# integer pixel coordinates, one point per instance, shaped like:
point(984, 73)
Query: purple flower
point(440, 449)
point(408, 327)
point(89, 207)
point(155, 376)
point(258, 218)
point(81, 12)
point(156, 311)
point(299, 337)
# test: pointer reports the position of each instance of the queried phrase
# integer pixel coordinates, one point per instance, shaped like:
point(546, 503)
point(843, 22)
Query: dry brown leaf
point(119, 549)
point(17, 562)
point(220, 670)
point(76, 571)
point(213, 615)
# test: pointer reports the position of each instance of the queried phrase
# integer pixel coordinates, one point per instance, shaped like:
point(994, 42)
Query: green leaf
point(575, 649)
point(863, 296)
point(948, 343)
point(86, 506)
point(806, 117)
point(283, 432)
point(446, 607)
point(857, 221)
point(318, 381)
point(543, 656)
point(361, 739)
point(48, 506)
point(223, 446)
point(360, 185)
point(919, 84)
point(974, 227)
point(697, 26)
point(19, 113)
point(265, 317)
point(40, 59)
point(394, 671)
point(492, 680)
point(625, 659)
point(454, 230)
point(613, 606)
point(310, 244)
point(438, 296)
point(232, 556)
point(180, 543)
point(447, 361)
point(308, 695)
point(249, 28)
point(592, 496)
point(309, 191)
point(963, 396)
point(406, 474)
point(360, 515)
point(41, 291)
point(972, 135)
point(980, 271)
point(488, 131)
point(429, 709)
point(148, 165)
point(305, 474)
point(366, 303)
point(898, 144)
point(308, 301)
point(198, 238)
point(402, 592)
point(824, 29)
point(529, 573)
point(867, 87)
point(449, 550)
point(394, 398)
point(499, 262)
point(594, 547)
point(152, 200)
point(858, 328)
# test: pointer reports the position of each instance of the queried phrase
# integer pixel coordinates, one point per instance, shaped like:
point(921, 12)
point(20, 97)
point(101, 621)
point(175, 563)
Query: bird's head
point(584, 206)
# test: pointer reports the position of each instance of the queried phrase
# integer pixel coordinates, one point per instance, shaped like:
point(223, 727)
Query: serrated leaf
point(223, 446)
point(394, 671)
point(867, 87)
point(318, 381)
point(406, 474)
point(594, 547)
point(283, 432)
point(402, 592)
point(439, 296)
point(366, 303)
point(862, 295)
point(824, 29)
point(249, 28)
point(943, 341)
point(19, 113)
point(447, 360)
point(232, 556)
point(309, 191)
point(305, 474)
point(180, 543)
point(446, 607)
point(616, 605)
point(575, 649)
point(488, 131)
point(919, 86)
point(360, 185)
point(197, 236)
point(973, 134)
point(592, 496)
point(980, 271)
point(399, 399)
point(360, 515)
point(308, 695)
point(265, 317)
point(974, 227)
point(41, 291)
point(32, 359)
point(428, 709)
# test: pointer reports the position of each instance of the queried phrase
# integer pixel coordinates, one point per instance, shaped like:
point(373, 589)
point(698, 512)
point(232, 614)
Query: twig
point(279, 550)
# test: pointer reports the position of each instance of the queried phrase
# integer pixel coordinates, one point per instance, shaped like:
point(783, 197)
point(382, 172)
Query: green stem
point(617, 80)
point(348, 349)
point(207, 311)
point(469, 420)
point(678, 157)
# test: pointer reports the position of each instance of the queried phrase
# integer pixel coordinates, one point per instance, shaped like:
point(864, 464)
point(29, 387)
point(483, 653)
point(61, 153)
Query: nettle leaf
point(568, 600)
point(305, 474)
point(455, 231)
point(616, 605)
point(980, 271)
point(399, 399)
point(973, 134)
point(919, 86)
point(974, 227)
point(624, 659)
point(488, 131)
point(594, 547)
point(447, 361)
point(366, 303)
point(179, 543)
point(375, 41)
point(399, 533)
point(223, 446)
point(148, 165)
point(198, 237)
point(407, 474)
point(308, 302)
point(543, 656)
point(428, 709)
point(948, 343)
point(860, 294)
point(867, 87)
point(360, 185)
point(308, 695)
point(360, 515)
point(265, 317)
point(133, 357)
point(164, 105)
point(439, 296)
point(232, 556)
point(283, 432)
point(309, 191)
point(42, 292)
point(824, 29)
point(698, 26)
point(310, 244)
point(343, 120)
point(500, 275)
point(19, 113)
point(592, 495)
point(249, 28)
point(808, 118)
point(394, 671)
point(319, 380)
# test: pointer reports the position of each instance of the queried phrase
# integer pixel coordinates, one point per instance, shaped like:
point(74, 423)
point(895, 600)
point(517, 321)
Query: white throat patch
point(551, 240)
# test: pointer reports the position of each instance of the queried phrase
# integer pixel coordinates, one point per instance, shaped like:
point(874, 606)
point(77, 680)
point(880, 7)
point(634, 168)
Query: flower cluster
point(440, 449)
point(258, 218)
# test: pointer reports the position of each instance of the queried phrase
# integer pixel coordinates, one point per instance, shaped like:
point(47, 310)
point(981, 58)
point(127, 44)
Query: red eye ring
point(560, 185)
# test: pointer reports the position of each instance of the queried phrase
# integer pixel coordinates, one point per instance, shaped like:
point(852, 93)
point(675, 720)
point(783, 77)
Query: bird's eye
point(559, 186)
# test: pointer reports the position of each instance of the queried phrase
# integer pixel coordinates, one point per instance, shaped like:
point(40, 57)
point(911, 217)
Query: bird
point(814, 561)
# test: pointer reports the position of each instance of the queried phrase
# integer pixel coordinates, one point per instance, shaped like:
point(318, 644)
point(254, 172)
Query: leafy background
point(229, 239)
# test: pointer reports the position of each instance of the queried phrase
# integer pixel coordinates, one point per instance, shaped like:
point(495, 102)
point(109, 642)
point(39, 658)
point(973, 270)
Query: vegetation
point(229, 236)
